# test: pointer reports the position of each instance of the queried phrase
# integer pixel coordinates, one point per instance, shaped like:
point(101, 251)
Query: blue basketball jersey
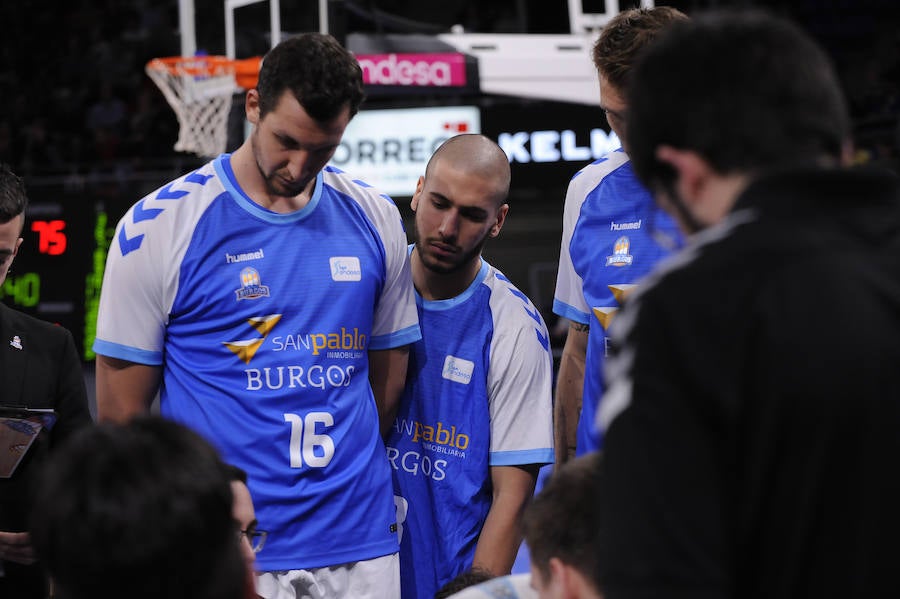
point(608, 225)
point(478, 395)
point(262, 322)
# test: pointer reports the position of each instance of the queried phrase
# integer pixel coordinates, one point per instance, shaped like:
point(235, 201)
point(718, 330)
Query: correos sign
point(389, 149)
point(443, 70)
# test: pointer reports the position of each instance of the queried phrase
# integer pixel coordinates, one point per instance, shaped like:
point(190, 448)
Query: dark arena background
point(91, 133)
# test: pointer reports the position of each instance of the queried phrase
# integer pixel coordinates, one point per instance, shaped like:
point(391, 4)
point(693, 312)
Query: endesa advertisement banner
point(440, 70)
point(390, 148)
point(402, 74)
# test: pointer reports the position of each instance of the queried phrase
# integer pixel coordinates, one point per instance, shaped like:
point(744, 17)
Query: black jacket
point(753, 411)
point(45, 373)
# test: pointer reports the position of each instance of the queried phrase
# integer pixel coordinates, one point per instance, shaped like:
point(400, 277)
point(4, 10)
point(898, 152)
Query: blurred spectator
point(142, 510)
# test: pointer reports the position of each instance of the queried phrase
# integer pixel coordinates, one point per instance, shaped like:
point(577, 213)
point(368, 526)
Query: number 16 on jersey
point(309, 444)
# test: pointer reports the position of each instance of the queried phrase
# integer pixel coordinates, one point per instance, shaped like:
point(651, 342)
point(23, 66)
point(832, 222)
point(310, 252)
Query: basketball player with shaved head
point(475, 420)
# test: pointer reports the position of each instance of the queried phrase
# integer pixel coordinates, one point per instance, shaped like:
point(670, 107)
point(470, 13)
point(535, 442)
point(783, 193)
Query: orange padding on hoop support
point(246, 70)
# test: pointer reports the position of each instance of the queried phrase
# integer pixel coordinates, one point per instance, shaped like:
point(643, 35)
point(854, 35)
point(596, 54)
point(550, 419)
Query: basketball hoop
point(199, 89)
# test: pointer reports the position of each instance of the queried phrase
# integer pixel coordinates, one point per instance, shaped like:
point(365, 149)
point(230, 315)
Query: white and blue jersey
point(478, 395)
point(262, 322)
point(608, 224)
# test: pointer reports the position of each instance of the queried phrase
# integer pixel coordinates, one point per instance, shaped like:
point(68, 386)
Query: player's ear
point(568, 582)
point(692, 171)
point(420, 185)
point(251, 106)
point(501, 218)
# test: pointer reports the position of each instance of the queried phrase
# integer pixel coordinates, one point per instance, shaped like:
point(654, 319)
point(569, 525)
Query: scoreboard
point(57, 272)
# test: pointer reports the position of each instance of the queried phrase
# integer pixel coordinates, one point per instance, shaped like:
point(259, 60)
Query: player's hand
point(16, 547)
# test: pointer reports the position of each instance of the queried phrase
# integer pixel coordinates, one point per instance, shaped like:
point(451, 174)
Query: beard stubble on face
point(276, 186)
point(455, 262)
point(274, 183)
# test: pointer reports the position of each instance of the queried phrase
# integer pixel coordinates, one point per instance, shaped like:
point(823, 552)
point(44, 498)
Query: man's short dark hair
point(13, 200)
point(745, 90)
point(321, 74)
point(235, 473)
point(142, 510)
point(563, 520)
point(625, 36)
point(462, 581)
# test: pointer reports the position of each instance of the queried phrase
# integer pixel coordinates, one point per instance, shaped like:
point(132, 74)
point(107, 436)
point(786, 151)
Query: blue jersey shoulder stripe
point(410, 334)
point(131, 354)
point(518, 458)
point(567, 311)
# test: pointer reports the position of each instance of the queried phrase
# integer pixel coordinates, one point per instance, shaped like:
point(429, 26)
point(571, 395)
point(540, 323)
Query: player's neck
point(433, 286)
point(252, 183)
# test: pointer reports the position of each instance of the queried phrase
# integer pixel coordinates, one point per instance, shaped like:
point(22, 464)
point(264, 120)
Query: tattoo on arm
point(581, 328)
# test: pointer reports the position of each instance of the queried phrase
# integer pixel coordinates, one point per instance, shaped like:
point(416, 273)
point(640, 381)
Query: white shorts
point(377, 578)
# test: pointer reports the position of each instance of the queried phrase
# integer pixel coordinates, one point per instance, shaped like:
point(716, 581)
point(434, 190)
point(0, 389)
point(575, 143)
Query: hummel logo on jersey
point(458, 370)
point(244, 257)
point(632, 226)
point(345, 268)
point(250, 285)
point(620, 256)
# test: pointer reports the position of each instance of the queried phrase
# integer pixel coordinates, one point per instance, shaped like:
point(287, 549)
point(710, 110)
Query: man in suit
point(39, 368)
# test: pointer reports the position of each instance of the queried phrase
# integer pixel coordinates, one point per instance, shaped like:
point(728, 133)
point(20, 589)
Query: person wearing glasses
point(250, 537)
point(142, 510)
point(39, 368)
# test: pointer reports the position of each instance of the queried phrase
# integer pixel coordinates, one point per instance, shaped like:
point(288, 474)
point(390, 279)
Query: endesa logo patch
point(345, 268)
point(458, 370)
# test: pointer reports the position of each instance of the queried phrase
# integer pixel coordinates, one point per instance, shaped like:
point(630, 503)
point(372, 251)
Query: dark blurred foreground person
point(758, 457)
point(143, 511)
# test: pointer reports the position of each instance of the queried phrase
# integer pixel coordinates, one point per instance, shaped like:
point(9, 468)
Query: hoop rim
point(191, 64)
point(245, 70)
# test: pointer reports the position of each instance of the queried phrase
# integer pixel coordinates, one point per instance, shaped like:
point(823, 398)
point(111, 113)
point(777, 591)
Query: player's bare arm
point(501, 535)
point(125, 389)
point(387, 375)
point(569, 388)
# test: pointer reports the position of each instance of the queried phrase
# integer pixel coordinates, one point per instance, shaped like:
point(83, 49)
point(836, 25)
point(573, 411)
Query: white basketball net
point(200, 92)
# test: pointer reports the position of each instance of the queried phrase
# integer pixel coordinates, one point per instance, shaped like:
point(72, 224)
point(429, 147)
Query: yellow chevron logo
point(605, 315)
point(245, 350)
point(264, 324)
point(621, 291)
